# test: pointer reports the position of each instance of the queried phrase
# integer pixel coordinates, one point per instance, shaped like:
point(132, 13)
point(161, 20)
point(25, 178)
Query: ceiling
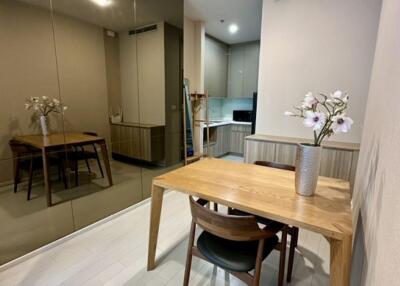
point(244, 13)
point(118, 16)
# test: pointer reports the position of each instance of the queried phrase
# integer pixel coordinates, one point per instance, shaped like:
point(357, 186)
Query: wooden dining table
point(269, 193)
point(59, 142)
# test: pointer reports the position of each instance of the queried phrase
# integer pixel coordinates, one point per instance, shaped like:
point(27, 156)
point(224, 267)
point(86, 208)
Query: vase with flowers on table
point(326, 116)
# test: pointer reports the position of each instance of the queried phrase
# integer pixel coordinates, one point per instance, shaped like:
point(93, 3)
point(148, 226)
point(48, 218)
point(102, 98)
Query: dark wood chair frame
point(25, 153)
point(237, 228)
point(292, 231)
point(79, 153)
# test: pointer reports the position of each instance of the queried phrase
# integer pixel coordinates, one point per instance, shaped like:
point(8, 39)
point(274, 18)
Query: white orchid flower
point(316, 120)
point(288, 113)
point(309, 100)
point(340, 95)
point(341, 124)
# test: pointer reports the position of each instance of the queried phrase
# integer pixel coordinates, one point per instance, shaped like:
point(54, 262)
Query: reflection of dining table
point(57, 142)
point(269, 193)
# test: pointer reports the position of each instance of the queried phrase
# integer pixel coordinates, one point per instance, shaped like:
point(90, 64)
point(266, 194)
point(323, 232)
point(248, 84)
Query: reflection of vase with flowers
point(326, 116)
point(43, 106)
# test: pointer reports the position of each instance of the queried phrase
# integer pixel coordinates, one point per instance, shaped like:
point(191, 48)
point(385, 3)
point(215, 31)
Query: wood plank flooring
point(115, 253)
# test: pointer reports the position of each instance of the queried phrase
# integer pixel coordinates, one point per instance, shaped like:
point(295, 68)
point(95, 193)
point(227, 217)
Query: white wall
point(314, 45)
point(193, 67)
point(376, 198)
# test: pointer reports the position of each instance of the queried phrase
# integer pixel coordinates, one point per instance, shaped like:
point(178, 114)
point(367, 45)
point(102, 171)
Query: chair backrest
point(275, 165)
point(238, 228)
point(19, 149)
point(91, 133)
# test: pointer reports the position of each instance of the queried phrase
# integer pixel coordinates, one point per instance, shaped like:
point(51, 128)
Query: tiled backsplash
point(222, 108)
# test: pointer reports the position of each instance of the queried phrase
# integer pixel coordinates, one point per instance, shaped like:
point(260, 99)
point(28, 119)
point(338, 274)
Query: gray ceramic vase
point(308, 159)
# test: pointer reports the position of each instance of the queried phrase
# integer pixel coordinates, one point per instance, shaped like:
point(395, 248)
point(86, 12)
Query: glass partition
point(107, 75)
point(29, 88)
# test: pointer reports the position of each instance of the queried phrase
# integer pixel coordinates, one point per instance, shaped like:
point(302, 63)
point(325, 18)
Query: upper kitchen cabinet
point(243, 69)
point(215, 67)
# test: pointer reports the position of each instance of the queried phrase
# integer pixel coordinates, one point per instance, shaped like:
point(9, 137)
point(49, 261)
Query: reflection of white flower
point(44, 105)
point(341, 124)
point(65, 107)
point(316, 120)
point(288, 113)
point(309, 100)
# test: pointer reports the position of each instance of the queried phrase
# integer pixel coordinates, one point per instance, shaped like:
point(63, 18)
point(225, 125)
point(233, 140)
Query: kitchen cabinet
point(250, 69)
point(235, 74)
point(338, 159)
point(227, 138)
point(137, 141)
point(215, 68)
point(243, 69)
point(238, 134)
point(219, 140)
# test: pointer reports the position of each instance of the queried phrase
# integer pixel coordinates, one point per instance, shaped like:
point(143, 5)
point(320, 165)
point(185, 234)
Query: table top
point(57, 139)
point(266, 192)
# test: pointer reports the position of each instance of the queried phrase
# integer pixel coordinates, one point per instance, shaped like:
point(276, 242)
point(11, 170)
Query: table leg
point(106, 161)
point(46, 176)
point(340, 261)
point(156, 205)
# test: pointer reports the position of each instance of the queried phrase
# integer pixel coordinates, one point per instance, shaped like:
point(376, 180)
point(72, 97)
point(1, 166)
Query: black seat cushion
point(236, 256)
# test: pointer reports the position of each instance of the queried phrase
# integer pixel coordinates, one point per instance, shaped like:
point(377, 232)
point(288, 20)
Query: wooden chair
point(234, 243)
point(80, 153)
point(27, 158)
point(292, 231)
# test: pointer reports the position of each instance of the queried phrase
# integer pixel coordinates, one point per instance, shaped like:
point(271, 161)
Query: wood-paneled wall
point(339, 160)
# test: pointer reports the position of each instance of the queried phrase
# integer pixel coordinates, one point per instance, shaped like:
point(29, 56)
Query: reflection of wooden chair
point(234, 243)
point(81, 153)
point(292, 231)
point(27, 158)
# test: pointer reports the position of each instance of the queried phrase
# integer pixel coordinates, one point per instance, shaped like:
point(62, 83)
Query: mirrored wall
point(91, 111)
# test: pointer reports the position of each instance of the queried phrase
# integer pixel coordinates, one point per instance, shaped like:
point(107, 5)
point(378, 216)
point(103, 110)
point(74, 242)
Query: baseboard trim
point(68, 237)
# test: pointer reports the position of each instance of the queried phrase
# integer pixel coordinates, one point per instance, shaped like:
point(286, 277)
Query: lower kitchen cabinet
point(238, 133)
point(138, 141)
point(227, 139)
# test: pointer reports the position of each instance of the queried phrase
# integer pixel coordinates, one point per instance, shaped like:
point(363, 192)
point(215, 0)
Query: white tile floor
point(115, 253)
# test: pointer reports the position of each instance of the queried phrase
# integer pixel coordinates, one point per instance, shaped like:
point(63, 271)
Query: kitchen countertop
point(226, 122)
point(293, 140)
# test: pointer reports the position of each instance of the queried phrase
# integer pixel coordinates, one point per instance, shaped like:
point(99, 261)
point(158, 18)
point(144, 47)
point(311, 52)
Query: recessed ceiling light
point(102, 3)
point(233, 28)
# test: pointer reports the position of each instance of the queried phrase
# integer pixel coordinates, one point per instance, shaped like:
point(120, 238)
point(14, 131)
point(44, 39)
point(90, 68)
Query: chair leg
point(63, 174)
point(87, 165)
point(98, 162)
point(16, 175)
point(259, 260)
point(76, 172)
point(189, 254)
point(30, 180)
point(215, 207)
point(293, 245)
point(282, 256)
